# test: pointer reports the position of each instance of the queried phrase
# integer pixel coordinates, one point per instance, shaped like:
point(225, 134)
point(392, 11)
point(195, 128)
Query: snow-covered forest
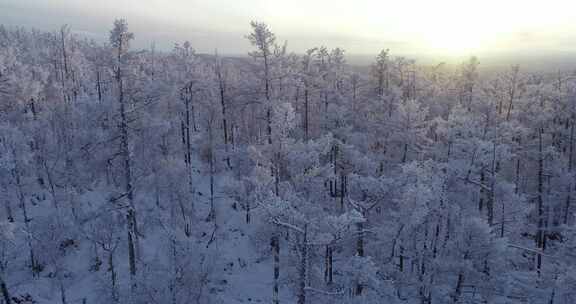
point(148, 176)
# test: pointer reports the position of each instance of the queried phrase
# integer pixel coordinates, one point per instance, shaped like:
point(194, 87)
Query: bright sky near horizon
point(445, 27)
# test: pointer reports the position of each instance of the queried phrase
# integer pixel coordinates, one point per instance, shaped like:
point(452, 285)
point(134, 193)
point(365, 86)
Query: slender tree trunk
point(360, 253)
point(276, 253)
point(459, 284)
point(328, 272)
point(512, 93)
point(64, 53)
point(187, 97)
point(502, 220)
point(113, 279)
point(540, 236)
point(5, 293)
point(212, 213)
point(131, 247)
point(517, 179)
point(129, 188)
point(268, 98)
point(276, 170)
point(343, 186)
point(482, 191)
point(401, 259)
point(22, 200)
point(174, 272)
point(303, 268)
point(492, 198)
point(62, 293)
point(570, 165)
point(98, 86)
point(222, 87)
point(306, 114)
point(248, 211)
point(405, 154)
point(8, 208)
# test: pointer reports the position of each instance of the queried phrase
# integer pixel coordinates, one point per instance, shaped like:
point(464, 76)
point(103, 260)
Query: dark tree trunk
point(303, 268)
point(8, 208)
point(62, 293)
point(570, 165)
point(360, 253)
point(22, 201)
point(306, 115)
point(113, 279)
point(98, 86)
point(540, 236)
point(328, 272)
point(492, 198)
point(276, 253)
point(127, 167)
point(222, 91)
point(482, 194)
point(5, 293)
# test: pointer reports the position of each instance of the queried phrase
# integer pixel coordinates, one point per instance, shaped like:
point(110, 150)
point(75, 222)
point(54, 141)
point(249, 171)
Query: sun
point(457, 30)
point(456, 39)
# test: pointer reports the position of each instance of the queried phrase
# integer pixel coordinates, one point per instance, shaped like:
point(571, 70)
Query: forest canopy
point(147, 176)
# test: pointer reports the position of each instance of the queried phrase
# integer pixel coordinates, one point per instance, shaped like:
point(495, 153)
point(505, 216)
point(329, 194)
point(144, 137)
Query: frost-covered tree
point(298, 174)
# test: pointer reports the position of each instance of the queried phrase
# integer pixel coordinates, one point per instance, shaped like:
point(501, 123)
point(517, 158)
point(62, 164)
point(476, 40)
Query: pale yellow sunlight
point(413, 27)
point(444, 27)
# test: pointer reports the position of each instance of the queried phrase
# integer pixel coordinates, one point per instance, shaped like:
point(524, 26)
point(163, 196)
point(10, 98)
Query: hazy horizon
point(445, 29)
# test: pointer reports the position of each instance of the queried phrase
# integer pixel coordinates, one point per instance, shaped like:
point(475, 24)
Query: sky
point(361, 27)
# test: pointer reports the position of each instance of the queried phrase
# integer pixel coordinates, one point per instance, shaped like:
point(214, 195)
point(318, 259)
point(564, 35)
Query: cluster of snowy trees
point(140, 176)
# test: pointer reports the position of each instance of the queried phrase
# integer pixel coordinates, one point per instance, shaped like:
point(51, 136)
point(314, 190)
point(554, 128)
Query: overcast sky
point(359, 26)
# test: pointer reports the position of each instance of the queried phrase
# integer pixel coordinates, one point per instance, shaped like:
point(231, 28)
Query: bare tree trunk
point(360, 253)
point(405, 153)
point(276, 173)
point(113, 279)
point(22, 200)
point(401, 259)
point(517, 179)
point(343, 189)
point(248, 211)
point(4, 290)
point(512, 90)
point(303, 268)
point(98, 85)
point(187, 97)
point(306, 114)
point(8, 208)
point(492, 198)
point(328, 272)
point(175, 272)
point(129, 188)
point(268, 98)
point(62, 293)
point(276, 252)
point(218, 68)
point(570, 165)
point(212, 213)
point(540, 235)
point(63, 44)
point(482, 191)
point(459, 284)
point(502, 220)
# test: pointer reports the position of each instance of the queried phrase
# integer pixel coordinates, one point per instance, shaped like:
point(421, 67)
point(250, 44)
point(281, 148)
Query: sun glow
point(465, 27)
point(440, 27)
point(455, 37)
point(412, 27)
